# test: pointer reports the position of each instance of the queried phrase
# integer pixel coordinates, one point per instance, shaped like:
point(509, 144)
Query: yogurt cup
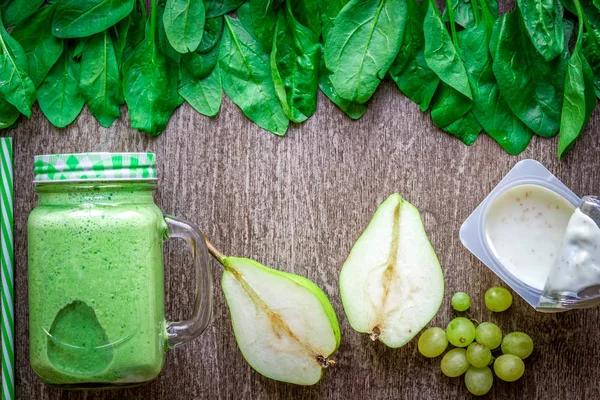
point(473, 235)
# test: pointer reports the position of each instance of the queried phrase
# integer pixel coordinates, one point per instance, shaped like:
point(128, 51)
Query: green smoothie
point(96, 286)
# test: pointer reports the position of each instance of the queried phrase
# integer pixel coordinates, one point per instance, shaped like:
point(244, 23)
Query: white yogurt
point(524, 227)
point(577, 265)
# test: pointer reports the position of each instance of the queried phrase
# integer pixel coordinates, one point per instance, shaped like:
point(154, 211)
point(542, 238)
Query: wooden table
point(298, 204)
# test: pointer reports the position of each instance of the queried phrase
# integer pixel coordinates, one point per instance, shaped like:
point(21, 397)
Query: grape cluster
point(472, 355)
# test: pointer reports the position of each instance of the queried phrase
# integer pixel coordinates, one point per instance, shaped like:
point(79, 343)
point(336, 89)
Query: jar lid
point(85, 167)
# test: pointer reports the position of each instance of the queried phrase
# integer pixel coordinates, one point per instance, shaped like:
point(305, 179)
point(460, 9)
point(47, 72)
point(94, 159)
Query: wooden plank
point(298, 204)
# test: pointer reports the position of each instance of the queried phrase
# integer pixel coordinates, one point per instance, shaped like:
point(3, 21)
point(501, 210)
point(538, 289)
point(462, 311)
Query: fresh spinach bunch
point(510, 76)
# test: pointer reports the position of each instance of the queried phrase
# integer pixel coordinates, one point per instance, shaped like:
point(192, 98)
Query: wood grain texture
point(298, 204)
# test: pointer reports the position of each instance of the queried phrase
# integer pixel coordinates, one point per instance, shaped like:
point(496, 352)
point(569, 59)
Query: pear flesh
point(284, 324)
point(392, 284)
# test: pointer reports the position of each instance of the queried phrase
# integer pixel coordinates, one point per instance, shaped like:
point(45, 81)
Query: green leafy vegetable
point(41, 47)
point(213, 29)
point(59, 96)
point(15, 85)
point(8, 114)
point(79, 18)
point(352, 110)
point(517, 64)
point(264, 19)
point(329, 11)
point(448, 105)
point(150, 83)
point(307, 13)
point(184, 23)
point(543, 21)
point(129, 33)
point(591, 51)
point(510, 77)
point(246, 77)
point(216, 8)
point(441, 53)
point(580, 98)
point(204, 95)
point(201, 64)
point(294, 65)
point(463, 11)
point(17, 10)
point(466, 129)
point(410, 70)
point(99, 80)
point(489, 107)
point(363, 43)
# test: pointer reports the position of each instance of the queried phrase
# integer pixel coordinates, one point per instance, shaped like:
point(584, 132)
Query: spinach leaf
point(213, 29)
point(352, 110)
point(184, 23)
point(34, 34)
point(307, 13)
point(591, 12)
point(294, 65)
point(463, 11)
point(216, 8)
point(441, 53)
point(579, 96)
point(448, 105)
point(363, 43)
point(59, 96)
point(410, 70)
point(8, 114)
point(591, 51)
point(489, 107)
point(264, 18)
point(164, 45)
point(543, 21)
point(466, 129)
point(201, 64)
point(79, 18)
point(99, 81)
point(17, 10)
point(246, 77)
point(329, 11)
point(15, 85)
point(517, 64)
point(135, 34)
point(150, 82)
point(204, 95)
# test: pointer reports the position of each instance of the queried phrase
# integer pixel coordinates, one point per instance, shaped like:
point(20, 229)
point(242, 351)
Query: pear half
point(284, 324)
point(392, 284)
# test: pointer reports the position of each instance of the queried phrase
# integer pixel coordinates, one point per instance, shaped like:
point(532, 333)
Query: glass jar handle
point(181, 332)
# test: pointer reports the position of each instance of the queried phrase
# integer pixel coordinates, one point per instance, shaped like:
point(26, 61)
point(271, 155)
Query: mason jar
point(96, 285)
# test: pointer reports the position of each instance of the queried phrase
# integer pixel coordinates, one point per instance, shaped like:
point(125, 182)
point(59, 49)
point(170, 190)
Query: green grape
point(460, 332)
point(509, 368)
point(454, 363)
point(498, 299)
point(433, 342)
point(518, 343)
point(461, 301)
point(479, 380)
point(479, 355)
point(488, 334)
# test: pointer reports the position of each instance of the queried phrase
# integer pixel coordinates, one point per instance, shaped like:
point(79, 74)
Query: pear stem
point(213, 250)
point(375, 334)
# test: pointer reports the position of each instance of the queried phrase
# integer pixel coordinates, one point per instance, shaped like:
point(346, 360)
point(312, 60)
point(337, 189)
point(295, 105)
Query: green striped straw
point(6, 240)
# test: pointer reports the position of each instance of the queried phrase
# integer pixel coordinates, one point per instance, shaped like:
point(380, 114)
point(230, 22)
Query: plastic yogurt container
point(475, 234)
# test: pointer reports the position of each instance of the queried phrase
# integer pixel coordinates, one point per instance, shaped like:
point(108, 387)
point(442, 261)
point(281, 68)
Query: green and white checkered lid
point(86, 167)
